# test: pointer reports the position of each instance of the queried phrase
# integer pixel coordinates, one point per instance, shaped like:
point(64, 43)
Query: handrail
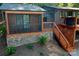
point(2, 22)
point(61, 33)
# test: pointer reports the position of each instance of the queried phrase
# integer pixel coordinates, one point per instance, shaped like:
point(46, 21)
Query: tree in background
point(54, 4)
point(70, 4)
point(57, 4)
point(60, 5)
point(76, 5)
point(65, 4)
point(45, 4)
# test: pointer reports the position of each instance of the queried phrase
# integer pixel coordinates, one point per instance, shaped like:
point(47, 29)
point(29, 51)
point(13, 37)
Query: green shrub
point(10, 50)
point(41, 54)
point(42, 40)
point(2, 29)
point(29, 46)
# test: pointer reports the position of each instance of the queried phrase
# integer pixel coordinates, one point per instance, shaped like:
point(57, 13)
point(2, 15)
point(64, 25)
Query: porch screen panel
point(26, 23)
point(39, 22)
point(19, 23)
point(12, 23)
point(35, 23)
point(15, 23)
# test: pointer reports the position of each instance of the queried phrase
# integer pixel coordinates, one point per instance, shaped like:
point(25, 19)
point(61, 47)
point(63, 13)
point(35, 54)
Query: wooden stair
point(68, 33)
point(64, 37)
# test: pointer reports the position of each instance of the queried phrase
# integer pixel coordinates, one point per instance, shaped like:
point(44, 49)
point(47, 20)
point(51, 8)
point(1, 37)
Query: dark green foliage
point(10, 50)
point(2, 29)
point(42, 40)
point(29, 46)
point(44, 4)
point(56, 4)
point(76, 5)
point(41, 54)
point(0, 4)
point(65, 4)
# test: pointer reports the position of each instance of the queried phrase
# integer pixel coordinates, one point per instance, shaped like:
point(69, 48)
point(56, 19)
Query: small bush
point(42, 40)
point(10, 50)
point(2, 29)
point(29, 46)
point(41, 54)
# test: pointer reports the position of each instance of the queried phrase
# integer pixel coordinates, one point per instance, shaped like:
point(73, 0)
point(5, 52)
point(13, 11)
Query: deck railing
point(48, 25)
point(61, 38)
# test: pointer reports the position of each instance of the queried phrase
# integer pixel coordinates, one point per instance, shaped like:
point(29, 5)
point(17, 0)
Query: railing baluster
point(48, 25)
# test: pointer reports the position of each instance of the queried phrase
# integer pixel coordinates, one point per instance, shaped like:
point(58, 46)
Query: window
point(19, 23)
point(69, 13)
point(49, 16)
point(77, 14)
point(62, 14)
point(45, 19)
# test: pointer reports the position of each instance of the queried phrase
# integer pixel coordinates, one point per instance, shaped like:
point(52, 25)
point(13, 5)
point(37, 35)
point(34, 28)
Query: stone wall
point(21, 39)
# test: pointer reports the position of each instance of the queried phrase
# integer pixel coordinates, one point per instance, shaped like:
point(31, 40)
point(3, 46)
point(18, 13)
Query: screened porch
point(20, 23)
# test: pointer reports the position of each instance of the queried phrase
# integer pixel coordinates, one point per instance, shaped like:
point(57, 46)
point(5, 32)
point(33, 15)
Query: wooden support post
point(7, 25)
point(42, 23)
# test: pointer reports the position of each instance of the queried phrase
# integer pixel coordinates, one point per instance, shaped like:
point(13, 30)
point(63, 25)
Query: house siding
point(57, 17)
point(21, 39)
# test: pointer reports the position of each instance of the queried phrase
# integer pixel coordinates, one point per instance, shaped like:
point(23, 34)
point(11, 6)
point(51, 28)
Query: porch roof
point(25, 7)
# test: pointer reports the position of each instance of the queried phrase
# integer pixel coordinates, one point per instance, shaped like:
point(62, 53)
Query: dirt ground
point(2, 46)
point(50, 49)
point(23, 51)
point(75, 52)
